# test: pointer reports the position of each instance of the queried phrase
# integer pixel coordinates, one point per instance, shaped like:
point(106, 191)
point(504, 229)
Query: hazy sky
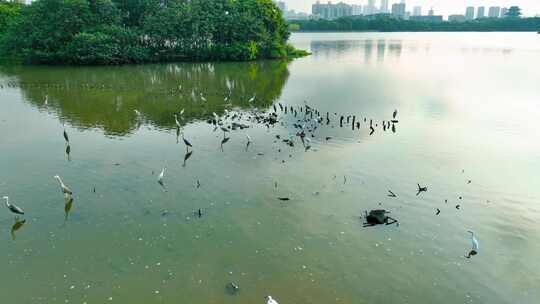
point(444, 7)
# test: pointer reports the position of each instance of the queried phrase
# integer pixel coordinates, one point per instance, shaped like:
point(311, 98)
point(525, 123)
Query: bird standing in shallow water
point(474, 244)
point(161, 175)
point(187, 143)
point(65, 189)
point(270, 300)
point(176, 121)
point(13, 208)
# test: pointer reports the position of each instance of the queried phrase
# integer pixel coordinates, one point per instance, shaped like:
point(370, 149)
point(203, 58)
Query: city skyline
point(441, 7)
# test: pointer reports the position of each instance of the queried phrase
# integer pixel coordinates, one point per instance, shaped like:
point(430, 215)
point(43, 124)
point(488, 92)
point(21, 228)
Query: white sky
point(444, 7)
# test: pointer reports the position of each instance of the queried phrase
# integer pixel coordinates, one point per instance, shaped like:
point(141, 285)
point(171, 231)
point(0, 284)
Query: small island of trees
point(86, 32)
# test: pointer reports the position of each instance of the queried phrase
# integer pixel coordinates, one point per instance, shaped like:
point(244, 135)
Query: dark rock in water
point(284, 199)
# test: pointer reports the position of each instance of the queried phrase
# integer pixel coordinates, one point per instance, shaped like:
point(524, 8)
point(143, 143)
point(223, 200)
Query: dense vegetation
point(389, 24)
point(133, 31)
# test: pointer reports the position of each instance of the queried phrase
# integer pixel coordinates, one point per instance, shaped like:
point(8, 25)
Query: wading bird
point(13, 208)
point(270, 300)
point(474, 245)
point(187, 143)
point(176, 121)
point(161, 176)
point(65, 189)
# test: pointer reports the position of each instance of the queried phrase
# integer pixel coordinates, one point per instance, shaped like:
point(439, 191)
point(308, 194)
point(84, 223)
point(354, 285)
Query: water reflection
point(366, 48)
point(119, 99)
point(68, 203)
point(17, 226)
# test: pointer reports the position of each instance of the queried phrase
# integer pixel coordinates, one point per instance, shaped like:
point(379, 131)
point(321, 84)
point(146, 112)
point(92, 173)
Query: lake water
point(467, 109)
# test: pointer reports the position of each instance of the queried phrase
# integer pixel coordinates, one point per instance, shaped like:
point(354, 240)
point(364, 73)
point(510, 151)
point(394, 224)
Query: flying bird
point(65, 189)
point(421, 189)
point(392, 194)
point(13, 208)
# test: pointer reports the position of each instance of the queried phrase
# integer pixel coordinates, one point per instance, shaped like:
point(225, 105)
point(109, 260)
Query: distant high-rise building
point(417, 11)
point(504, 11)
point(398, 10)
point(384, 6)
point(469, 13)
point(431, 12)
point(481, 12)
point(331, 11)
point(370, 8)
point(494, 12)
point(356, 10)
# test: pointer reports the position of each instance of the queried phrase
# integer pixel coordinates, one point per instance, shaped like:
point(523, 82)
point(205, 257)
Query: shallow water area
point(467, 109)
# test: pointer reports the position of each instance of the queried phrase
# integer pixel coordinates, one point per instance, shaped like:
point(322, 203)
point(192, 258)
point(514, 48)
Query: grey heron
point(65, 189)
point(13, 208)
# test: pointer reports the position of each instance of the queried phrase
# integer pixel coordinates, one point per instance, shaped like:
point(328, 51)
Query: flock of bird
point(305, 121)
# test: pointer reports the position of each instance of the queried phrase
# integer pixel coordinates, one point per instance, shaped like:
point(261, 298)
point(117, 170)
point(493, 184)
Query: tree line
point(136, 31)
point(389, 24)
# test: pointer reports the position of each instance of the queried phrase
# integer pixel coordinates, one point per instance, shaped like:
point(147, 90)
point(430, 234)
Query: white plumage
point(474, 241)
point(270, 300)
point(161, 175)
point(65, 189)
point(13, 208)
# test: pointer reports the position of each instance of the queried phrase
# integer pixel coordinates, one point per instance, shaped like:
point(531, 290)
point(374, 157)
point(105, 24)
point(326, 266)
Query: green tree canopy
point(128, 31)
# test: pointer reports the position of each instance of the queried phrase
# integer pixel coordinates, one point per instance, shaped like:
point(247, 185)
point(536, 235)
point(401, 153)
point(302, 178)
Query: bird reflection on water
point(17, 226)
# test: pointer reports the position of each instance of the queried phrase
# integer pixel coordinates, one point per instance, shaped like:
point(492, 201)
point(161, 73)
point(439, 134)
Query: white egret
point(252, 99)
point(161, 175)
point(46, 99)
point(202, 97)
point(65, 189)
point(176, 121)
point(137, 113)
point(270, 300)
point(474, 245)
point(182, 112)
point(13, 208)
